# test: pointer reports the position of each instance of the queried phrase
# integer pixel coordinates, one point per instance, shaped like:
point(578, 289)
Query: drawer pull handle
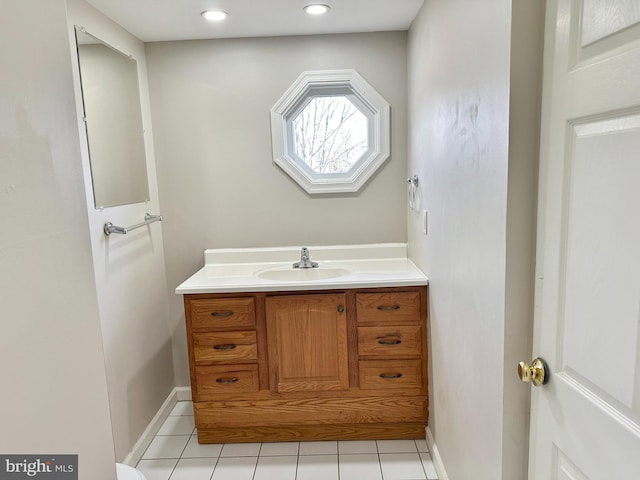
point(227, 380)
point(226, 346)
point(390, 375)
point(395, 341)
point(228, 313)
point(388, 308)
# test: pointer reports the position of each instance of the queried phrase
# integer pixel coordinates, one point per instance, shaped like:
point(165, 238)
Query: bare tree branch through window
point(330, 134)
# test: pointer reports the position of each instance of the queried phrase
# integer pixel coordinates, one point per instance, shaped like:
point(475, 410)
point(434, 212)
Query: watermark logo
point(43, 467)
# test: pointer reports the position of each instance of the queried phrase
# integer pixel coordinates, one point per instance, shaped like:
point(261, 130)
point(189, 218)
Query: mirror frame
point(331, 82)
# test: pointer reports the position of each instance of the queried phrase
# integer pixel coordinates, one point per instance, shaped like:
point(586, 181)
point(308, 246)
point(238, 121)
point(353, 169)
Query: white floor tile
point(396, 446)
point(360, 467)
point(166, 446)
point(422, 445)
point(317, 467)
point(236, 468)
point(276, 468)
point(429, 468)
point(240, 450)
point(357, 446)
point(194, 469)
point(182, 408)
point(319, 448)
point(157, 469)
point(402, 466)
point(177, 425)
point(195, 449)
point(279, 448)
point(175, 454)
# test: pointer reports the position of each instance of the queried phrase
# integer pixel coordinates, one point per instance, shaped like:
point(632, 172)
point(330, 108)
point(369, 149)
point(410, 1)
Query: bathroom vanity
point(307, 355)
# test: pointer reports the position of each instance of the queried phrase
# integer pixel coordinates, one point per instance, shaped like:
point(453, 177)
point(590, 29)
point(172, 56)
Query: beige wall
point(527, 35)
point(54, 395)
point(129, 271)
point(219, 186)
point(475, 151)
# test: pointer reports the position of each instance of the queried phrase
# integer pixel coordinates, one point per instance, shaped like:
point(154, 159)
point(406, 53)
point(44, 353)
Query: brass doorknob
point(536, 373)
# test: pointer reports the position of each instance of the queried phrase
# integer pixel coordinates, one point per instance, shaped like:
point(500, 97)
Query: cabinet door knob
point(390, 375)
point(340, 308)
point(388, 308)
point(227, 380)
point(226, 346)
point(228, 313)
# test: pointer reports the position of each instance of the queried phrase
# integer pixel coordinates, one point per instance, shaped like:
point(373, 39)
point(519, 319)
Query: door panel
point(601, 19)
point(601, 286)
point(563, 467)
point(601, 28)
point(585, 421)
point(307, 341)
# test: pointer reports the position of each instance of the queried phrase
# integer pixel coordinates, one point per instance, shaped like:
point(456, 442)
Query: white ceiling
point(161, 20)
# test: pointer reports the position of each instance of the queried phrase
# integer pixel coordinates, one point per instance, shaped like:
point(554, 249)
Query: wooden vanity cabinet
point(290, 366)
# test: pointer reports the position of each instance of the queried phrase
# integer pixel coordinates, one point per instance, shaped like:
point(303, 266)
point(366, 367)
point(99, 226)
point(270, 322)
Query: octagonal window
point(330, 131)
point(330, 134)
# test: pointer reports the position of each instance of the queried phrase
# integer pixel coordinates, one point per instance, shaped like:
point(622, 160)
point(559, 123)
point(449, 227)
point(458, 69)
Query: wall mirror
point(330, 131)
point(113, 121)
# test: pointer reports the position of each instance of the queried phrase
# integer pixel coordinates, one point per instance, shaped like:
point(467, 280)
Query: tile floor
point(174, 454)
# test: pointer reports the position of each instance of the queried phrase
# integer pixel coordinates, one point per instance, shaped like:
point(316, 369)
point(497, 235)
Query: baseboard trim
point(184, 393)
point(153, 428)
point(435, 456)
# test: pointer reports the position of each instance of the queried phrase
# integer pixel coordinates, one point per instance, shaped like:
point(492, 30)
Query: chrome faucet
point(305, 260)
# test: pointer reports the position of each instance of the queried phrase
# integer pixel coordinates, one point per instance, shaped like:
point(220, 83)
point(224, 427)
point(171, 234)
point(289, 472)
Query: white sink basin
point(290, 274)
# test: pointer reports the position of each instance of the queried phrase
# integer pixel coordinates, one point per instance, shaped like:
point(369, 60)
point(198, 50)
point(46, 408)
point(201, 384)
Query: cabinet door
point(307, 341)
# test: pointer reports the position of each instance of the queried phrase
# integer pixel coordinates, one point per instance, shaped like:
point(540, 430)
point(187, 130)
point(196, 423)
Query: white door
point(586, 421)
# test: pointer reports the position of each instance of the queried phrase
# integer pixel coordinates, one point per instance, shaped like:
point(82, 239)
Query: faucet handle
point(305, 260)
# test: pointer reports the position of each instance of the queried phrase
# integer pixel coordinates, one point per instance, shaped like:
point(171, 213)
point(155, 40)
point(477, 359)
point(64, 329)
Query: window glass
point(330, 134)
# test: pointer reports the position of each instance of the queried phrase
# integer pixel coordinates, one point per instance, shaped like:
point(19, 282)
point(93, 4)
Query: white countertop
point(369, 266)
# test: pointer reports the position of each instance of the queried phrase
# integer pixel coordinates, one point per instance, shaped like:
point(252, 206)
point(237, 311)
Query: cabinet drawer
point(390, 340)
point(390, 374)
point(225, 347)
point(222, 313)
point(396, 307)
point(212, 382)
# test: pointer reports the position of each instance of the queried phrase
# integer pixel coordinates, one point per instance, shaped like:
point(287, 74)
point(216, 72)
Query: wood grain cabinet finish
point(307, 342)
point(294, 366)
point(390, 340)
point(221, 314)
point(225, 347)
point(214, 382)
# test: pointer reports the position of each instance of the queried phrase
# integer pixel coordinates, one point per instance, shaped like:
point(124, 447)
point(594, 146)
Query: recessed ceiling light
point(316, 9)
point(214, 15)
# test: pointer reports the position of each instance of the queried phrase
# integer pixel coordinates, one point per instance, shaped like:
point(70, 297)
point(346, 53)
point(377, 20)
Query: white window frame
point(369, 102)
